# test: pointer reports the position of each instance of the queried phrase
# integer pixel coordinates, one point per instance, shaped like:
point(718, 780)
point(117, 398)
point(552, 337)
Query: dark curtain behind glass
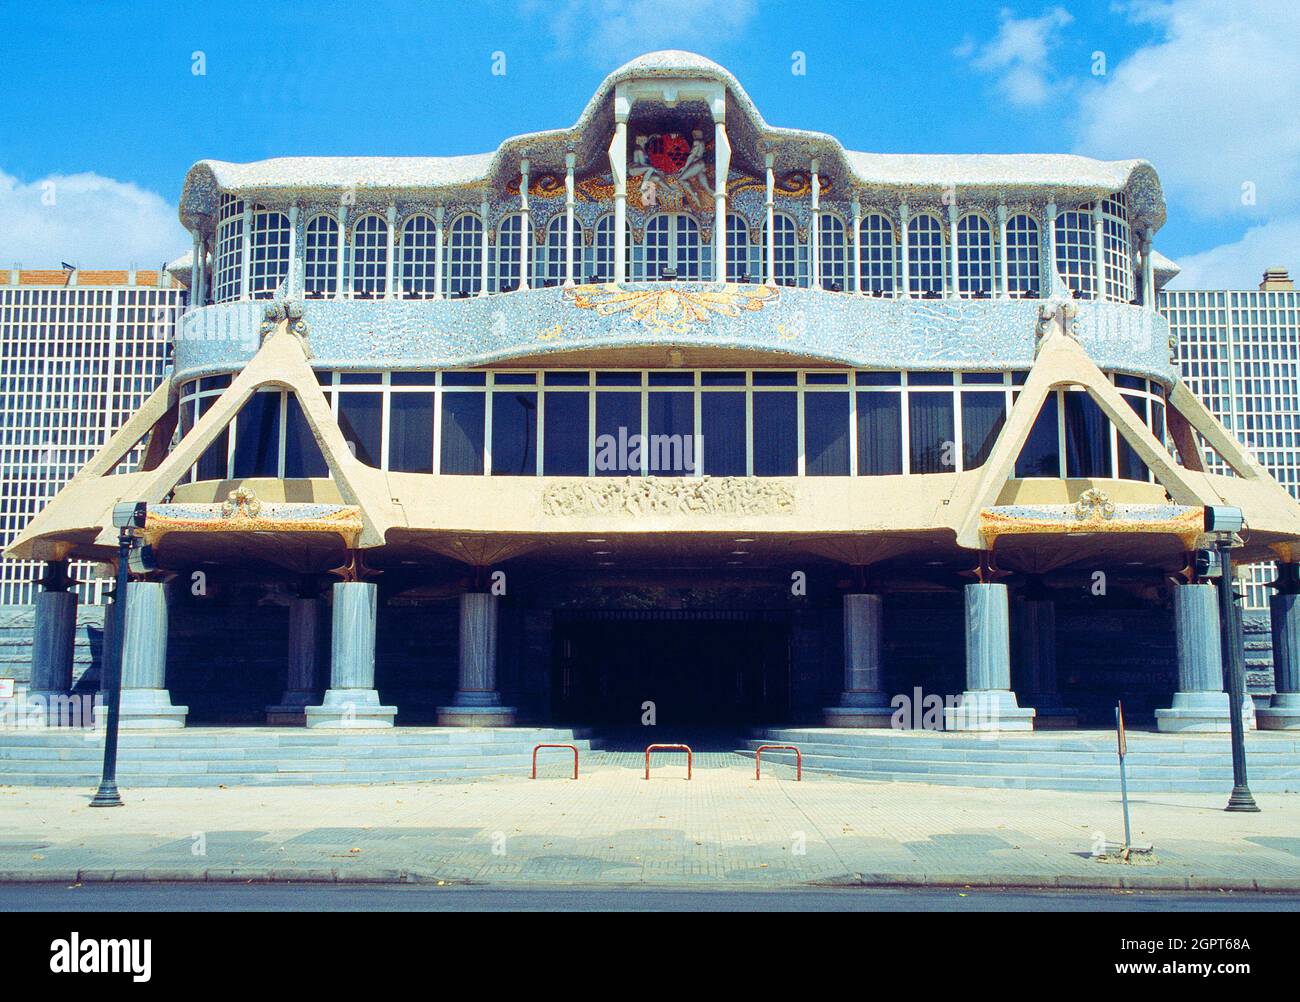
point(982, 418)
point(567, 435)
point(880, 434)
point(514, 433)
point(462, 432)
point(1040, 456)
point(1087, 437)
point(257, 436)
point(671, 415)
point(361, 419)
point(213, 463)
point(826, 434)
point(1131, 466)
point(410, 432)
point(931, 432)
point(617, 412)
point(302, 456)
point(776, 434)
point(722, 420)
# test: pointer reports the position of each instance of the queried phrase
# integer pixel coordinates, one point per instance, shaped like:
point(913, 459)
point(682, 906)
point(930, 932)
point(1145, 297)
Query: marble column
point(863, 702)
point(988, 704)
point(300, 683)
point(1200, 704)
point(146, 703)
point(477, 702)
point(1283, 711)
point(351, 701)
point(1035, 634)
point(53, 639)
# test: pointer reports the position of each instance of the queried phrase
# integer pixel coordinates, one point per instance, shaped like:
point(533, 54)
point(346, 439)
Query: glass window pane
point(722, 416)
point(1087, 437)
point(931, 433)
point(567, 435)
point(462, 433)
point(302, 456)
point(1041, 454)
point(514, 434)
point(410, 433)
point(1130, 466)
point(213, 463)
point(671, 449)
point(826, 434)
point(257, 437)
point(880, 434)
point(361, 421)
point(776, 439)
point(618, 420)
point(982, 417)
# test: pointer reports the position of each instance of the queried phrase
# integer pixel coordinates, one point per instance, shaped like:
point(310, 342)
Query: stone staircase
point(1079, 760)
point(266, 756)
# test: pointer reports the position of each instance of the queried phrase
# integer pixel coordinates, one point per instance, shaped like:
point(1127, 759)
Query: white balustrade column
point(721, 168)
point(1047, 284)
point(342, 249)
point(815, 231)
point(196, 269)
point(390, 270)
point(1148, 271)
point(570, 159)
point(246, 252)
point(485, 263)
point(293, 281)
point(439, 214)
point(1004, 290)
point(905, 262)
point(954, 280)
point(856, 283)
point(770, 205)
point(1099, 250)
point(525, 224)
point(618, 168)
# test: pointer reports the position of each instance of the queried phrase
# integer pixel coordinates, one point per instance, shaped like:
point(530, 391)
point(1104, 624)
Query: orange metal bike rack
point(798, 759)
point(686, 748)
point(572, 748)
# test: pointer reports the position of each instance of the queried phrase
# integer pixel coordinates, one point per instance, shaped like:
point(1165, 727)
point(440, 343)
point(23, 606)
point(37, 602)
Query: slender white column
point(1200, 704)
point(293, 281)
point(618, 168)
point(988, 702)
point(856, 283)
point(1004, 292)
point(146, 703)
point(439, 214)
point(342, 249)
point(863, 702)
point(196, 270)
point(1047, 282)
point(769, 160)
point(477, 701)
point(1148, 271)
point(570, 159)
point(721, 168)
point(905, 263)
point(487, 249)
point(525, 224)
point(246, 252)
point(954, 283)
point(352, 700)
point(815, 231)
point(1099, 250)
point(390, 271)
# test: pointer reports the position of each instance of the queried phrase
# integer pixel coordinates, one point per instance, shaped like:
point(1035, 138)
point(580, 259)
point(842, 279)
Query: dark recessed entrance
point(719, 668)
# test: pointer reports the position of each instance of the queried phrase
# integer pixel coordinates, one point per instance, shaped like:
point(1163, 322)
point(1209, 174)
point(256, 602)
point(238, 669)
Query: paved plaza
point(612, 827)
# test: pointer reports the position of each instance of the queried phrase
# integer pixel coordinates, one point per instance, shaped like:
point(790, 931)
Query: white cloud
point(1212, 104)
point(613, 31)
point(1018, 56)
point(1241, 264)
point(88, 220)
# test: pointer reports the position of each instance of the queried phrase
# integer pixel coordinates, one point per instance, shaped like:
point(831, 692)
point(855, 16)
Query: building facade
point(671, 412)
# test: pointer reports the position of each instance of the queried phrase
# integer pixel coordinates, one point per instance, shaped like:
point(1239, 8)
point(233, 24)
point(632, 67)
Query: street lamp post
point(127, 517)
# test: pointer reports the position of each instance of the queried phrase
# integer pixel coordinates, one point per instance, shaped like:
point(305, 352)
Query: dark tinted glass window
point(776, 439)
point(462, 433)
point(931, 433)
point(257, 437)
point(567, 431)
point(1040, 456)
point(514, 433)
point(982, 417)
point(410, 433)
point(361, 418)
point(1087, 437)
point(722, 420)
point(302, 456)
point(880, 434)
point(826, 434)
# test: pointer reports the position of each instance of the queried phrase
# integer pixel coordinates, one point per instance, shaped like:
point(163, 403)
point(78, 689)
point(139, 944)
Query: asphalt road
point(214, 897)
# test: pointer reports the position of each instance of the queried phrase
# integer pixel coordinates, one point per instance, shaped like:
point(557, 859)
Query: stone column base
point(990, 710)
point(477, 716)
point(149, 709)
point(857, 716)
point(350, 709)
point(1283, 714)
point(1047, 718)
point(1196, 713)
point(291, 711)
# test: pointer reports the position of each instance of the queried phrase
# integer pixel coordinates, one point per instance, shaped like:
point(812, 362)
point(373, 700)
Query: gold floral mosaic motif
point(1093, 504)
point(241, 503)
point(668, 309)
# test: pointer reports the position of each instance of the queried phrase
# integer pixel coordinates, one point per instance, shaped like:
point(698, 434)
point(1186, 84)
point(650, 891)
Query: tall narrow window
point(464, 271)
point(419, 246)
point(1022, 257)
point(1040, 456)
point(270, 250)
point(982, 415)
point(974, 257)
point(602, 260)
point(227, 278)
point(931, 431)
point(369, 257)
point(1087, 437)
point(786, 250)
point(925, 256)
point(551, 268)
point(1074, 254)
point(880, 434)
point(738, 266)
point(1116, 263)
point(508, 268)
point(879, 255)
point(672, 249)
point(833, 263)
point(257, 436)
point(320, 257)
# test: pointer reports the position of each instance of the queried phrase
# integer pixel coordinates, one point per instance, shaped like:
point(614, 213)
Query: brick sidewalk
point(611, 826)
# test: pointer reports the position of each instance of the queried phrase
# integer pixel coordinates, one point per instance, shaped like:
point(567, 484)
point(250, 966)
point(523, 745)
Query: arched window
point(464, 247)
point(833, 247)
point(672, 241)
point(974, 257)
point(552, 267)
point(738, 269)
point(925, 256)
point(602, 251)
point(227, 274)
point(1022, 257)
point(369, 257)
point(270, 250)
point(786, 250)
point(1116, 263)
point(418, 257)
point(1074, 251)
point(879, 254)
point(320, 257)
point(508, 268)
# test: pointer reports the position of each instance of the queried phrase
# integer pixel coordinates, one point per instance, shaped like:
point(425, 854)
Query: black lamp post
point(1223, 521)
point(127, 517)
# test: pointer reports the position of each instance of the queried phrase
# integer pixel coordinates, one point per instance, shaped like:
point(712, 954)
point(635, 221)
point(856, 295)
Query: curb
point(317, 875)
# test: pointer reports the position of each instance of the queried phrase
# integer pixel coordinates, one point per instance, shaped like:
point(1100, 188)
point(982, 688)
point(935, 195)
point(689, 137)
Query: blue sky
point(103, 113)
